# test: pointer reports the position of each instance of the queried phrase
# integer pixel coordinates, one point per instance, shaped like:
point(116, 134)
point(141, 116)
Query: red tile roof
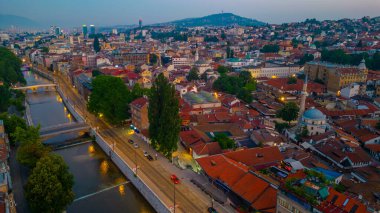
point(140, 102)
point(341, 203)
point(282, 84)
point(257, 158)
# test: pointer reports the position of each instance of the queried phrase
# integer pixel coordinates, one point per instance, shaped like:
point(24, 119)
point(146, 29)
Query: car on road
point(211, 210)
point(150, 158)
point(174, 178)
point(130, 141)
point(145, 153)
point(136, 145)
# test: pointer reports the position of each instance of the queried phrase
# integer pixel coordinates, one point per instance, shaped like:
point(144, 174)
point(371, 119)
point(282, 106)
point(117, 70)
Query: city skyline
point(117, 12)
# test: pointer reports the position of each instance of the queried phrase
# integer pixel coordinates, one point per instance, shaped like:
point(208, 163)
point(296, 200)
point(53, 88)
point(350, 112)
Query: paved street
point(19, 177)
point(155, 174)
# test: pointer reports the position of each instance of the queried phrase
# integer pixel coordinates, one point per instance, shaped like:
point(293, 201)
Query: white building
point(274, 72)
point(181, 61)
point(350, 90)
point(315, 121)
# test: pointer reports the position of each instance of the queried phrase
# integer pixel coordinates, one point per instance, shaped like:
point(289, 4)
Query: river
point(99, 185)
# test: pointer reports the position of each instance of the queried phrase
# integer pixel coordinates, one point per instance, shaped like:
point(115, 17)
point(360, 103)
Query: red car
point(175, 179)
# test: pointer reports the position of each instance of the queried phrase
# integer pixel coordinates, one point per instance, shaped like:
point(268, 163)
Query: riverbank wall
point(128, 172)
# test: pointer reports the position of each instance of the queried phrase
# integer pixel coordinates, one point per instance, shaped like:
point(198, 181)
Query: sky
point(73, 13)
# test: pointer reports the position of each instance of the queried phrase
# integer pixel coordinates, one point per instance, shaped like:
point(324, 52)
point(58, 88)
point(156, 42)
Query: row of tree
point(242, 86)
point(340, 57)
point(49, 185)
point(110, 97)
point(10, 74)
point(163, 114)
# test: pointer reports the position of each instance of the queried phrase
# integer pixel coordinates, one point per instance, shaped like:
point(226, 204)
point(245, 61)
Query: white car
point(136, 145)
point(145, 153)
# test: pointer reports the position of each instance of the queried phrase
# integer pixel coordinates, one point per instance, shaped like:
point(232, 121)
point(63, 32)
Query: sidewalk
point(19, 177)
point(185, 175)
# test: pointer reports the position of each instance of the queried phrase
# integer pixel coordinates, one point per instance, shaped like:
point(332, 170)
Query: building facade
point(139, 112)
point(336, 76)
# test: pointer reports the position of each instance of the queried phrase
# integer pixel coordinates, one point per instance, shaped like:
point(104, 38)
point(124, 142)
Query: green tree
point(193, 74)
point(11, 122)
point(50, 186)
point(45, 49)
point(110, 97)
point(96, 73)
point(224, 141)
point(245, 95)
point(153, 59)
point(163, 113)
point(10, 67)
point(31, 149)
point(306, 58)
point(281, 126)
point(302, 134)
point(289, 112)
point(222, 70)
point(230, 52)
point(292, 80)
point(96, 44)
point(138, 92)
point(5, 95)
point(270, 48)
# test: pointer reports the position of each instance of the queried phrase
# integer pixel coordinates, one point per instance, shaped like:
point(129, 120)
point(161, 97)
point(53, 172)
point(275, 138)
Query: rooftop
point(201, 97)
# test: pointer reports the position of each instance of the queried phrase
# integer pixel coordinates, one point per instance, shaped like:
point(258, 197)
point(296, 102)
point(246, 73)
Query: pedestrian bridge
point(52, 131)
point(35, 87)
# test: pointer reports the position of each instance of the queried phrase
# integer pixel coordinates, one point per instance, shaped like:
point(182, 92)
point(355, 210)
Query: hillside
point(7, 21)
point(222, 19)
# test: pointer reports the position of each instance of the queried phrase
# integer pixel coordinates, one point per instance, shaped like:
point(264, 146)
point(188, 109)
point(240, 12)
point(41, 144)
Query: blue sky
point(70, 13)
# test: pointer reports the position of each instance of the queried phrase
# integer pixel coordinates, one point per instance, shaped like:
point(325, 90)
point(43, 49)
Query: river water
point(99, 185)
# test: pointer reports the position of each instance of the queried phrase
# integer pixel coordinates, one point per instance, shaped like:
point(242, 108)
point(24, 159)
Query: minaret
point(303, 100)
point(196, 54)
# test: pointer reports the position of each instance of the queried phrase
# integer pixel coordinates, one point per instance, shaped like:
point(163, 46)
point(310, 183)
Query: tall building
point(139, 112)
point(57, 31)
point(84, 30)
point(114, 31)
point(140, 23)
point(92, 29)
point(336, 76)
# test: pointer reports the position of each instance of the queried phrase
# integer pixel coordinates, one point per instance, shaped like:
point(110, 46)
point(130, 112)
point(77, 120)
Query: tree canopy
point(241, 85)
point(163, 113)
point(193, 74)
point(340, 57)
point(224, 141)
point(110, 97)
point(49, 187)
point(289, 112)
point(31, 148)
point(10, 67)
point(306, 58)
point(96, 44)
point(11, 122)
point(270, 48)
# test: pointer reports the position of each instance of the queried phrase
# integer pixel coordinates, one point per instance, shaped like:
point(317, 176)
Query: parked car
point(130, 141)
point(211, 210)
point(150, 158)
point(145, 153)
point(174, 178)
point(136, 145)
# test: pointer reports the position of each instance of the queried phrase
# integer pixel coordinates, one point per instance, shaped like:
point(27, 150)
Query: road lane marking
point(100, 191)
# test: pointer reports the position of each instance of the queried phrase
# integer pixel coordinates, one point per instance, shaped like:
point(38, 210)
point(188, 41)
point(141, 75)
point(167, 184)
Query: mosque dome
point(314, 114)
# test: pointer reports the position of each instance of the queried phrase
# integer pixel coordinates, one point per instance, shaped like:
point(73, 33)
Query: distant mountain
point(7, 21)
point(221, 19)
